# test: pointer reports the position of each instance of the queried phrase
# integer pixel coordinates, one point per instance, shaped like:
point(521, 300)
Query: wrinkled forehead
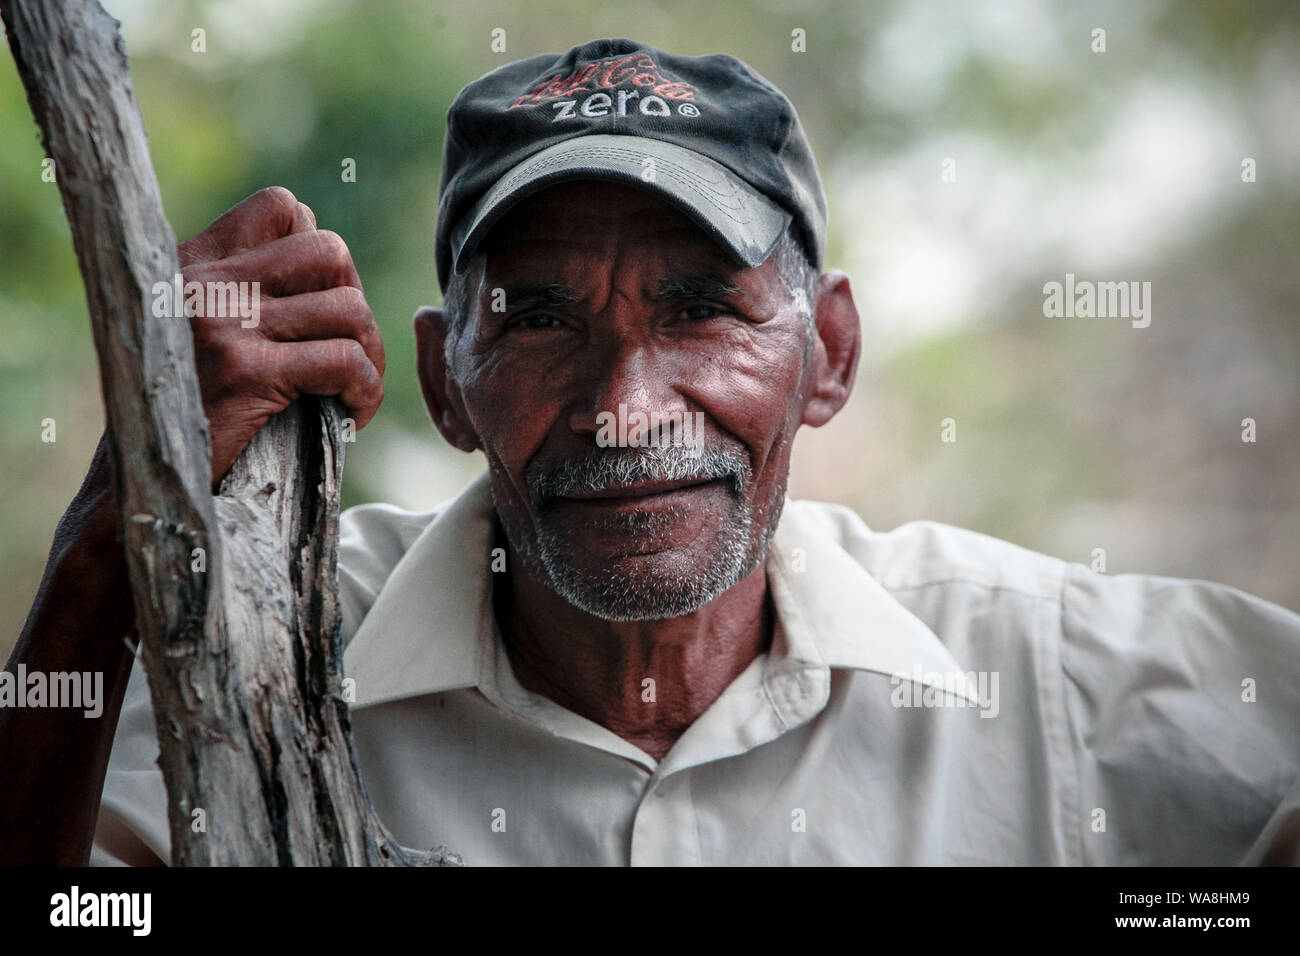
point(575, 228)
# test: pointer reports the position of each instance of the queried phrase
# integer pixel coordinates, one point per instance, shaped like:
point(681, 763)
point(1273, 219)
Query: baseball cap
point(708, 134)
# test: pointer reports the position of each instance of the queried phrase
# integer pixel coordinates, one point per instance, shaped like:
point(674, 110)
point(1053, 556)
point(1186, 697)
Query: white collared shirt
point(931, 696)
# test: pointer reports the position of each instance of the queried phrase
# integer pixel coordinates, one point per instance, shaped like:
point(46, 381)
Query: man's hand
point(316, 335)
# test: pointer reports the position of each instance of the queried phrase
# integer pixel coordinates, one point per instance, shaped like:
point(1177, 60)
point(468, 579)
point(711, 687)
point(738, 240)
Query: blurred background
point(1072, 434)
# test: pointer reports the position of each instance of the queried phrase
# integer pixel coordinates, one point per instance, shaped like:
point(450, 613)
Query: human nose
point(628, 386)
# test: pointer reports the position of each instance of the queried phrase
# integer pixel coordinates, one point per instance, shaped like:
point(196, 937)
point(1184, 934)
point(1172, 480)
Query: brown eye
point(702, 312)
point(536, 321)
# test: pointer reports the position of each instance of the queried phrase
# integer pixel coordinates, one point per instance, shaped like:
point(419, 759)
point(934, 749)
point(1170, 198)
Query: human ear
point(442, 395)
point(834, 362)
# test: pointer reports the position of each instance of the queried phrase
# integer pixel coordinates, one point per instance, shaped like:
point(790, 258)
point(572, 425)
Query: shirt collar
point(431, 628)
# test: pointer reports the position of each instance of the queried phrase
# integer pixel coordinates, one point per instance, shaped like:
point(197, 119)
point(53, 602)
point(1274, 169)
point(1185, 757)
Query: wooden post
point(235, 597)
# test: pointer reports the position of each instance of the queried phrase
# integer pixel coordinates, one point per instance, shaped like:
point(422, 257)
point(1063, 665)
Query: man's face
point(599, 298)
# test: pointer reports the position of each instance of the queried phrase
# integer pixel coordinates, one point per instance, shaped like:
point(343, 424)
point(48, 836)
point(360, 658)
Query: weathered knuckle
point(277, 196)
point(374, 341)
point(351, 298)
point(331, 245)
point(199, 271)
point(354, 355)
point(200, 248)
point(339, 356)
point(366, 396)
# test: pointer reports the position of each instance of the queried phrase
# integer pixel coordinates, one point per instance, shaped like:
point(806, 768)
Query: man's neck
point(646, 681)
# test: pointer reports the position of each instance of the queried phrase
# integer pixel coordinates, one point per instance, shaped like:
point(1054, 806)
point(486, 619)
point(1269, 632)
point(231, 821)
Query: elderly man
point(617, 646)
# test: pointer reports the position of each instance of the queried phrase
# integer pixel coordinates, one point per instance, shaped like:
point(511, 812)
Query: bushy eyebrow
point(696, 285)
point(534, 294)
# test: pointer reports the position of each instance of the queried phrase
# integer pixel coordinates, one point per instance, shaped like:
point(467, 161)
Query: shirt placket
point(664, 831)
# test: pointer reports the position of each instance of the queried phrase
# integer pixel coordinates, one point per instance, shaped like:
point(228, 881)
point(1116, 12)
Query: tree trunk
point(235, 597)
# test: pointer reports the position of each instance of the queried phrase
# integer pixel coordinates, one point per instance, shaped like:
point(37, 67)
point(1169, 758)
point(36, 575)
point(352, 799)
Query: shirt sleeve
point(1184, 702)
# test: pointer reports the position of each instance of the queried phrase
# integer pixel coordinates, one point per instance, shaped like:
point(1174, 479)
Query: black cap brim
point(737, 216)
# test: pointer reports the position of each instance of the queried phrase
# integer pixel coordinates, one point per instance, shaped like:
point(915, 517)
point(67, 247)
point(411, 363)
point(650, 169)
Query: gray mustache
point(602, 468)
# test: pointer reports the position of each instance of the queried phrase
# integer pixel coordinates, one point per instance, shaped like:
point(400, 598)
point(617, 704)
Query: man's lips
point(639, 489)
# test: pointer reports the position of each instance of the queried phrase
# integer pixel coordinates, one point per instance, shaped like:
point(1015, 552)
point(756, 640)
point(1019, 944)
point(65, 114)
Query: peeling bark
point(243, 656)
